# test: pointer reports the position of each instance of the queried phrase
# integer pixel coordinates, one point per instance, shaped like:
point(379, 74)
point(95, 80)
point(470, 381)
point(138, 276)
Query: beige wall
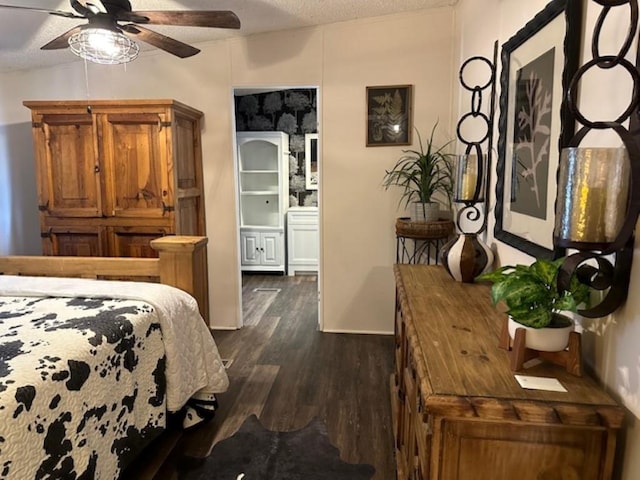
point(611, 344)
point(357, 216)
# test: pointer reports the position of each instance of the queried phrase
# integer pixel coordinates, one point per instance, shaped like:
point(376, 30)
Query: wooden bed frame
point(182, 263)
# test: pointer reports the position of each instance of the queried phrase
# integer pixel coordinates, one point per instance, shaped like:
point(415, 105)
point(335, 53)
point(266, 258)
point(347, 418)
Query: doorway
point(277, 158)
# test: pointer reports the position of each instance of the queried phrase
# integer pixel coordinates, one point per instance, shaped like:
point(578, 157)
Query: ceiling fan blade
point(163, 42)
point(59, 13)
point(96, 6)
point(192, 18)
point(81, 9)
point(116, 6)
point(62, 41)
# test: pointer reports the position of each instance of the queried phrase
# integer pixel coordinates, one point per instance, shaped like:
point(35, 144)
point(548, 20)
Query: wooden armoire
point(113, 175)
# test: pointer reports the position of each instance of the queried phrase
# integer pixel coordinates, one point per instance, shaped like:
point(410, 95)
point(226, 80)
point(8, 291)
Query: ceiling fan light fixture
point(107, 47)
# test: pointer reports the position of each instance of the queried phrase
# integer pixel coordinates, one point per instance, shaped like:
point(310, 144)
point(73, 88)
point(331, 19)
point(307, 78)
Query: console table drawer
point(477, 450)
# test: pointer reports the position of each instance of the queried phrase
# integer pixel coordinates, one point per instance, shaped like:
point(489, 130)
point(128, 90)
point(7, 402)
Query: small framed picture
point(389, 112)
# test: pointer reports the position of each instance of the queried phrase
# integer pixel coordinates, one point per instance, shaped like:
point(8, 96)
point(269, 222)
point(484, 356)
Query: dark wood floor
point(287, 372)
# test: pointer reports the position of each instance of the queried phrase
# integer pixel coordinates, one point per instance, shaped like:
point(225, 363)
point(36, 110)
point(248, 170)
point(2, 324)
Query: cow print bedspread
point(82, 385)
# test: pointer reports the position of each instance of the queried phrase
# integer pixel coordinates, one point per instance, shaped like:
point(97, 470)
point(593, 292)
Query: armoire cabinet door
point(68, 166)
point(134, 241)
point(137, 150)
point(75, 241)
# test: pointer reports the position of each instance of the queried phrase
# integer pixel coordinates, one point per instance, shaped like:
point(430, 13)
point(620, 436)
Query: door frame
point(265, 89)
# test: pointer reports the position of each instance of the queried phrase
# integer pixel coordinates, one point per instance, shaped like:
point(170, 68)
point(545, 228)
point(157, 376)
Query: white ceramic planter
point(425, 212)
point(549, 339)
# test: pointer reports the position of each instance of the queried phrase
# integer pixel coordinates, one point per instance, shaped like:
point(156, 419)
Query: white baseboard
point(363, 332)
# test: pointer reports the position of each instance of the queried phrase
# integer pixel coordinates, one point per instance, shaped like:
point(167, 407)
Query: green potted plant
point(530, 294)
point(421, 174)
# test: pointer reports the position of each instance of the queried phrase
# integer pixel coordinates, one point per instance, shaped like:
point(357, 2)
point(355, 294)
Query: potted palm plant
point(421, 174)
point(530, 294)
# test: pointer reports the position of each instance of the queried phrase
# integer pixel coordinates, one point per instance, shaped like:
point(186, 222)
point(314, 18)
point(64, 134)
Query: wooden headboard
point(182, 263)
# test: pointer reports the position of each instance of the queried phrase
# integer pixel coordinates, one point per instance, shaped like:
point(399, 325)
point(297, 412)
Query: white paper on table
point(540, 383)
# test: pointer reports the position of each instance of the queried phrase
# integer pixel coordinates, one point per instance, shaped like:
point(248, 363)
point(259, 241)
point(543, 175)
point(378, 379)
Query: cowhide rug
point(255, 453)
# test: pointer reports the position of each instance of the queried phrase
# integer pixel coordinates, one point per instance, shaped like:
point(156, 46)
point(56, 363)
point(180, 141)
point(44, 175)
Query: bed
point(92, 369)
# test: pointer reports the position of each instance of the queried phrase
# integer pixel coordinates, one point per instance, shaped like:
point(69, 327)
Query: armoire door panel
point(71, 171)
point(186, 215)
point(185, 146)
point(134, 241)
point(138, 152)
point(75, 241)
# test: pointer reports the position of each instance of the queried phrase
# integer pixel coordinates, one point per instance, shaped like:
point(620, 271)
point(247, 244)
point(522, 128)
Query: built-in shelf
point(263, 176)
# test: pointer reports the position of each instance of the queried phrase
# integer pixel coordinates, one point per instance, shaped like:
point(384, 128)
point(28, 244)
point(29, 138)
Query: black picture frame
point(526, 187)
point(389, 115)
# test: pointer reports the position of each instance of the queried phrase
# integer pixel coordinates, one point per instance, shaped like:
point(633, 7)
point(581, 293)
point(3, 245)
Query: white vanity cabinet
point(263, 190)
point(303, 240)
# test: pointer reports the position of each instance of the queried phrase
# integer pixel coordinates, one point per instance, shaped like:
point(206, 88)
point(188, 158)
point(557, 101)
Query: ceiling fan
point(115, 20)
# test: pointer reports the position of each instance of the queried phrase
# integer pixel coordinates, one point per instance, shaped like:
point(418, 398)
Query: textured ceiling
point(22, 33)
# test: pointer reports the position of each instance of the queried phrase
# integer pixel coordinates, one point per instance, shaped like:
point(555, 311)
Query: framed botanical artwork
point(311, 161)
point(537, 65)
point(389, 111)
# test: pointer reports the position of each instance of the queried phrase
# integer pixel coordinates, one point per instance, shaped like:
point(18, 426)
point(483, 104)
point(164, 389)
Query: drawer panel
point(299, 217)
point(477, 450)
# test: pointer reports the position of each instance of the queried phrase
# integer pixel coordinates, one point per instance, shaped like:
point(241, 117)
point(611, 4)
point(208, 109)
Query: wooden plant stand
point(570, 358)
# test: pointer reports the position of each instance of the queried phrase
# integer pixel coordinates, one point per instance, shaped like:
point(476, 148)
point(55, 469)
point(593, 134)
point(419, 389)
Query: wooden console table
point(460, 414)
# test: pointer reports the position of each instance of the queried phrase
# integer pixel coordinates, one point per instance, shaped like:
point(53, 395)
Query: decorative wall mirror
point(311, 160)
